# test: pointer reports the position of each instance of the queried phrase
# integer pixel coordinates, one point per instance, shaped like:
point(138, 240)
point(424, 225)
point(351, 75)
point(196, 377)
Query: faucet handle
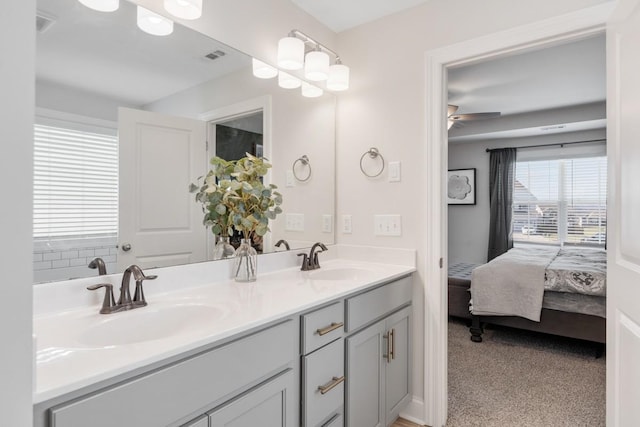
point(109, 302)
point(138, 296)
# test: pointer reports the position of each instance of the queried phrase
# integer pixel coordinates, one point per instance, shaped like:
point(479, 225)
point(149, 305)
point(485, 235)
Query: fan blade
point(475, 116)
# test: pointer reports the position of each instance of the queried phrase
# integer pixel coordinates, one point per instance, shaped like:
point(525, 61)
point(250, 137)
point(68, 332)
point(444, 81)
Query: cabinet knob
point(330, 385)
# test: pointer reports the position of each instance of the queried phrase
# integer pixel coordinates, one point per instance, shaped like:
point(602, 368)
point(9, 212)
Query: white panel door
point(623, 262)
point(159, 222)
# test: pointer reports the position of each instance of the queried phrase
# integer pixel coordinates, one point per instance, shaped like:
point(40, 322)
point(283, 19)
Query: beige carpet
point(518, 378)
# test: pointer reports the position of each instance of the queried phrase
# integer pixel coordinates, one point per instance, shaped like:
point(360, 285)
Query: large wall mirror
point(125, 121)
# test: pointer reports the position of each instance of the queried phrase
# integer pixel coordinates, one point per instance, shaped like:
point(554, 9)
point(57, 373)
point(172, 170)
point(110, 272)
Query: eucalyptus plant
point(233, 196)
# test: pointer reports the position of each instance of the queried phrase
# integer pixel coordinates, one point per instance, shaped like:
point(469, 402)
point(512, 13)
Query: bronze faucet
point(310, 262)
point(99, 264)
point(124, 301)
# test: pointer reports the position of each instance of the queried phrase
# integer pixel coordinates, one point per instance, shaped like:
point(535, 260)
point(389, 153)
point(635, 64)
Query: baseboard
point(414, 411)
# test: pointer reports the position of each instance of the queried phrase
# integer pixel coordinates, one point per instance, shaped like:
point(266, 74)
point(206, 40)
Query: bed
point(572, 292)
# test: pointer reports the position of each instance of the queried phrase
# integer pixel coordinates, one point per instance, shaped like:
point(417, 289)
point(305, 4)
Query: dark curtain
point(502, 170)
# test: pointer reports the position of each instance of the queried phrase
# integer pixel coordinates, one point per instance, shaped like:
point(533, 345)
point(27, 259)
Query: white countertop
point(71, 355)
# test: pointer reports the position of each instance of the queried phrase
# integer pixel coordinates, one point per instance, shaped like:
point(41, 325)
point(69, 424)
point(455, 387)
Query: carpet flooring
point(518, 378)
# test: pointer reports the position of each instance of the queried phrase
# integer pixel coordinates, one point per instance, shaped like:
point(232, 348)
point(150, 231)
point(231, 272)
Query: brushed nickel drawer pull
point(332, 327)
point(330, 385)
point(387, 356)
point(392, 353)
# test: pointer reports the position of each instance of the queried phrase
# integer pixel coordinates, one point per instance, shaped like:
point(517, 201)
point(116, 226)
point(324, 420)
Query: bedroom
point(546, 98)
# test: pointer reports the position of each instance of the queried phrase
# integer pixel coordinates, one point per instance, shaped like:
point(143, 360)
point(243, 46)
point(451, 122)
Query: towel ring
point(373, 153)
point(304, 160)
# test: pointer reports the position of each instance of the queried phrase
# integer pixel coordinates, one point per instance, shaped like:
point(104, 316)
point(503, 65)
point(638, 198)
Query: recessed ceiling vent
point(215, 55)
point(44, 22)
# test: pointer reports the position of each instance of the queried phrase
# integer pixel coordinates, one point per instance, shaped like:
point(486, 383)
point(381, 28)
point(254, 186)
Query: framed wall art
point(461, 187)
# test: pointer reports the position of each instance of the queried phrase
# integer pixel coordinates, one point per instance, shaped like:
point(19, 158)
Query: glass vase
point(223, 248)
point(245, 265)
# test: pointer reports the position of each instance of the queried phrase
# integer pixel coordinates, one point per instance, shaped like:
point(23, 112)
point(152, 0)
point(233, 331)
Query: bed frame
point(555, 322)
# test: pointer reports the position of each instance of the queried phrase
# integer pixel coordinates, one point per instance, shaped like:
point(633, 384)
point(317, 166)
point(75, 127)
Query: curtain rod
point(558, 144)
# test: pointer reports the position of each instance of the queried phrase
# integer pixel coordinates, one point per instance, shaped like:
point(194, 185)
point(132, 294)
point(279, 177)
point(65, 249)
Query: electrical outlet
point(387, 225)
point(327, 223)
point(346, 224)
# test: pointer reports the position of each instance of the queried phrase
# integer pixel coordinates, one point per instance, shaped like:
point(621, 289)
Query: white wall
point(385, 108)
point(16, 134)
point(469, 225)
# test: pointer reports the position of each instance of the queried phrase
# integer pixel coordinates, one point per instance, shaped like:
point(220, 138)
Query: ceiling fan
point(453, 118)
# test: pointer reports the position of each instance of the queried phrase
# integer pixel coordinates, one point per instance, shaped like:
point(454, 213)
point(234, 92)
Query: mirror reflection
point(125, 121)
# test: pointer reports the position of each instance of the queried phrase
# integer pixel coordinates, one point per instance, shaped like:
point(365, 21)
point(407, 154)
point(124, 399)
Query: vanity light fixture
point(316, 62)
point(262, 70)
point(152, 23)
point(311, 91)
point(185, 9)
point(102, 5)
point(290, 52)
point(287, 81)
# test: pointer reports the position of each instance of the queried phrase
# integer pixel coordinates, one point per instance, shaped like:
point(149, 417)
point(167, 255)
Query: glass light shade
point(185, 9)
point(316, 66)
point(287, 81)
point(154, 24)
point(338, 77)
point(262, 70)
point(311, 91)
point(290, 53)
point(102, 5)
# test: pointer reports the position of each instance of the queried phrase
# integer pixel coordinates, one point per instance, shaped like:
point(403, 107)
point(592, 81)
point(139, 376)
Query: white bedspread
point(512, 285)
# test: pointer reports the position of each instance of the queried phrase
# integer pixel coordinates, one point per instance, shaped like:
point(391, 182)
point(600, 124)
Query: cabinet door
point(268, 405)
point(365, 381)
point(398, 362)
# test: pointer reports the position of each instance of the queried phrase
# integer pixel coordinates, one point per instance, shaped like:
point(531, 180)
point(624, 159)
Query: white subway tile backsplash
point(37, 257)
point(101, 252)
point(69, 254)
point(86, 253)
point(42, 265)
point(61, 263)
point(78, 261)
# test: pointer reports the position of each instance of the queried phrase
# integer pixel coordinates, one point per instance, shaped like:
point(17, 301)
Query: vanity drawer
point(336, 421)
point(322, 383)
point(322, 326)
point(371, 305)
point(187, 386)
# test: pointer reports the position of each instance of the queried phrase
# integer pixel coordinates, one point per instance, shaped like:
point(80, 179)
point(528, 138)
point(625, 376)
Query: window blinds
point(75, 183)
point(561, 201)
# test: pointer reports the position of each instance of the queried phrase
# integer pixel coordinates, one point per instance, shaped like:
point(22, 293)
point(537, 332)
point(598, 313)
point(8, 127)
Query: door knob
point(126, 247)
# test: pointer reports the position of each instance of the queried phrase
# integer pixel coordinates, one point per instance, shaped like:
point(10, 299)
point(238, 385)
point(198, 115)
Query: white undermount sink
point(341, 273)
point(149, 323)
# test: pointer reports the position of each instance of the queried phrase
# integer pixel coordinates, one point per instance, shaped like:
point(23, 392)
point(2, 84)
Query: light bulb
point(316, 66)
point(102, 5)
point(154, 24)
point(185, 9)
point(287, 81)
point(338, 77)
point(262, 70)
point(311, 91)
point(290, 53)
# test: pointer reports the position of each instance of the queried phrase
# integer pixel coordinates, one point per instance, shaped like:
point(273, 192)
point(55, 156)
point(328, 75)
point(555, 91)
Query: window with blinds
point(561, 201)
point(75, 183)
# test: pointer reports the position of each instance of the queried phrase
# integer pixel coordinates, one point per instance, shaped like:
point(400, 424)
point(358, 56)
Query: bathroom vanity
point(328, 347)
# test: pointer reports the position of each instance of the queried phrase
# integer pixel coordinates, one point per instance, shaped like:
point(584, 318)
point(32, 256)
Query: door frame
point(228, 112)
point(564, 28)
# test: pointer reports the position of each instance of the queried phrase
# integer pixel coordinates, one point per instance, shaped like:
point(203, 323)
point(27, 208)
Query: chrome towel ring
point(304, 161)
point(373, 154)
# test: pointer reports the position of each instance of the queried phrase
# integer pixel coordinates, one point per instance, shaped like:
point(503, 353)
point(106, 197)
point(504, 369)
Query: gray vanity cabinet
point(269, 405)
point(378, 356)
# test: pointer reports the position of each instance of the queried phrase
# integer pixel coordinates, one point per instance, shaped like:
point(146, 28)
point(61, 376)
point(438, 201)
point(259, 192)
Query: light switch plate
point(387, 225)
point(290, 179)
point(394, 172)
point(346, 224)
point(294, 222)
point(327, 223)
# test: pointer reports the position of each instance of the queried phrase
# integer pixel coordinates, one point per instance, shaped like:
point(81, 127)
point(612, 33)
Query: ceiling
point(340, 15)
point(552, 90)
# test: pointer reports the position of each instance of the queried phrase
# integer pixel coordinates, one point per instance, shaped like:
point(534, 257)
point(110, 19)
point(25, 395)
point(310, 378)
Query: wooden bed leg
point(476, 329)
